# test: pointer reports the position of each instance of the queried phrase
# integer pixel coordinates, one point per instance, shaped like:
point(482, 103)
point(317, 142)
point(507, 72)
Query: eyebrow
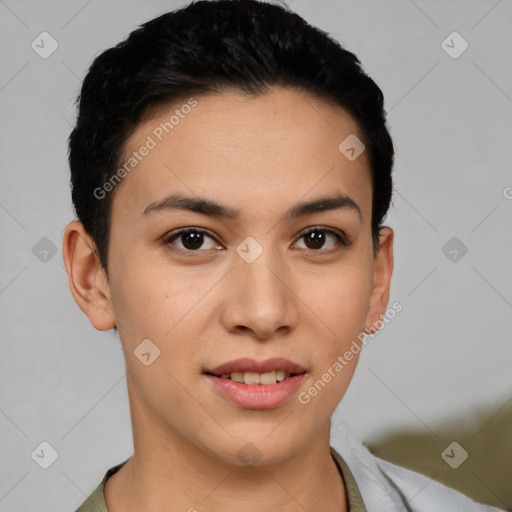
point(213, 209)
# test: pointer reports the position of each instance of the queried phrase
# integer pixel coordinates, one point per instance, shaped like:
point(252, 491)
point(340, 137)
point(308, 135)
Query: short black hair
point(206, 47)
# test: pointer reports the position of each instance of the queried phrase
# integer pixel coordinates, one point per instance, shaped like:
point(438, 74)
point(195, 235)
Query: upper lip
point(246, 364)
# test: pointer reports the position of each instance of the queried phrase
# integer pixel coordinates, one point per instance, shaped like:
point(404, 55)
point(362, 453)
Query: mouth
point(252, 378)
point(252, 372)
point(252, 384)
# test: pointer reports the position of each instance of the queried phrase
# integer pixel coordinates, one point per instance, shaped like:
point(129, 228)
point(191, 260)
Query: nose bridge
point(258, 270)
point(262, 300)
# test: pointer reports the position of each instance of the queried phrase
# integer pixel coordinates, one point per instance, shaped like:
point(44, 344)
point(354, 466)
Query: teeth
point(251, 378)
point(266, 379)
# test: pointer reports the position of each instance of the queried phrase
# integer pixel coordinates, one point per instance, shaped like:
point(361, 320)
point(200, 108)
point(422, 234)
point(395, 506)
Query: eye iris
point(317, 238)
point(192, 239)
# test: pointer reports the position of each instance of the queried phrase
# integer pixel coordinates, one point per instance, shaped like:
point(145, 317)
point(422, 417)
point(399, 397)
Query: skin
point(305, 302)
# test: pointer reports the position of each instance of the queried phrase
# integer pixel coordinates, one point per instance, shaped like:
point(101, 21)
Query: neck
point(167, 472)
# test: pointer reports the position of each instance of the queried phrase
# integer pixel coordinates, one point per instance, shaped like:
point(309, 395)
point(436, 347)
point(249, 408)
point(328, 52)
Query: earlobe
point(86, 277)
point(382, 271)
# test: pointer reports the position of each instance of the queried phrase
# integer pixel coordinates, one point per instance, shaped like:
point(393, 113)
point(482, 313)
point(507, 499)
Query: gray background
point(438, 373)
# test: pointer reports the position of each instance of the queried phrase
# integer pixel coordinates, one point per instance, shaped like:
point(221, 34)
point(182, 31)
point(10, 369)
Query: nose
point(260, 301)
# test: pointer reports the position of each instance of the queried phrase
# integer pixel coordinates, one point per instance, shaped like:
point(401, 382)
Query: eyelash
point(342, 239)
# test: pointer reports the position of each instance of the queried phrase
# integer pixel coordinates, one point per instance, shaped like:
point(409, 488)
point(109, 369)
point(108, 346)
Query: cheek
point(151, 300)
point(161, 308)
point(341, 298)
point(169, 307)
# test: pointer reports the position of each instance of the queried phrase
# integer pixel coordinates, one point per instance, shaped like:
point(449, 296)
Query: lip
point(246, 364)
point(257, 396)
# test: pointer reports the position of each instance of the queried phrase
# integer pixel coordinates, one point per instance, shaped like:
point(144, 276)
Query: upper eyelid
point(180, 231)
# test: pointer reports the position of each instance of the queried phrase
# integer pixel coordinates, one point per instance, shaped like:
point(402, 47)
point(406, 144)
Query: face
point(214, 261)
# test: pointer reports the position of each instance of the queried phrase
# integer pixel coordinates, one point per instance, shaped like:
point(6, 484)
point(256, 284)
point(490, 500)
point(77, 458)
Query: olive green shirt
point(96, 501)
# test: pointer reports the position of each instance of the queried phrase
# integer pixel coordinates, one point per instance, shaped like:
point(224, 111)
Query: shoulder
point(96, 501)
point(424, 494)
point(384, 485)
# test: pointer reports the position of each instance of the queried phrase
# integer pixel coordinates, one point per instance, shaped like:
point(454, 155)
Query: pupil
point(192, 240)
point(317, 240)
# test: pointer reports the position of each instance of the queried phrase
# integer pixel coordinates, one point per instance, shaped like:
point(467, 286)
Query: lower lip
point(257, 396)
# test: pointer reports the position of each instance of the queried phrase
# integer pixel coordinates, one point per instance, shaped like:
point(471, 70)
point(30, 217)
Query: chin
point(256, 449)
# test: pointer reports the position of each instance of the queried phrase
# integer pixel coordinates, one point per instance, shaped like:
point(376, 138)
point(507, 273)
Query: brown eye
point(191, 239)
point(316, 238)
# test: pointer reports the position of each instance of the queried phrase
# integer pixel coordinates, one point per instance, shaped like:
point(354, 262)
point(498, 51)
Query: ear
point(382, 271)
point(87, 279)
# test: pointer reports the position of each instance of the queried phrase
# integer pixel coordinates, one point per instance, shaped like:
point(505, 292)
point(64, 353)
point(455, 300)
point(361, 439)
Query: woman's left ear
point(382, 271)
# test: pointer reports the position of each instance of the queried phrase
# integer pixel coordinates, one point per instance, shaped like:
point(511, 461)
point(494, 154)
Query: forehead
point(248, 150)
